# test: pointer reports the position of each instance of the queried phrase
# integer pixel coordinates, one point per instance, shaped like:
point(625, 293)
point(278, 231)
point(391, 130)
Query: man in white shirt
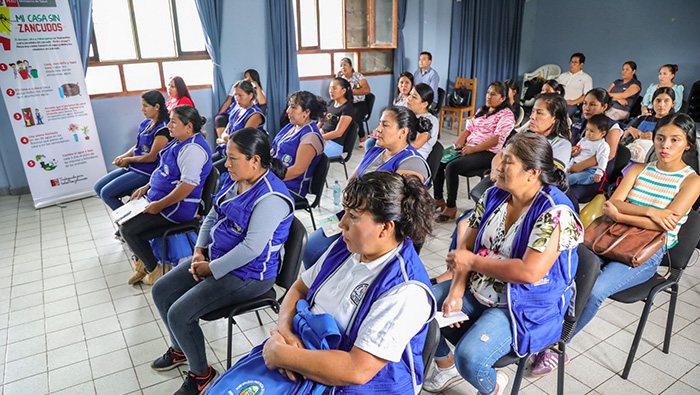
point(427, 74)
point(576, 82)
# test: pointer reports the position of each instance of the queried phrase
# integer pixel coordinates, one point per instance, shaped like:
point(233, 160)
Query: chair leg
point(231, 323)
point(519, 375)
point(257, 313)
point(637, 338)
point(311, 213)
point(165, 251)
point(669, 319)
point(345, 167)
point(560, 369)
point(469, 188)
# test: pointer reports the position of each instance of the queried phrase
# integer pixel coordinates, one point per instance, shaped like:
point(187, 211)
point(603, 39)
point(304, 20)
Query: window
point(139, 44)
point(329, 30)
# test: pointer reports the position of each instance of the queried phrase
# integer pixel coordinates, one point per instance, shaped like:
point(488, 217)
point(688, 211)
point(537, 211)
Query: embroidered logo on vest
point(145, 148)
point(358, 293)
point(251, 387)
point(286, 158)
point(237, 228)
point(166, 170)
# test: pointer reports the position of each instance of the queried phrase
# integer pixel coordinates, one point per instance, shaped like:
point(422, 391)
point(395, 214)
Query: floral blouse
point(498, 244)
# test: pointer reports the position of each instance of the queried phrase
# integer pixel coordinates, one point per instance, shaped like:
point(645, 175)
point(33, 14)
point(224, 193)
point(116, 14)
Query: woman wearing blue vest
point(656, 195)
point(397, 129)
point(174, 191)
point(520, 247)
point(299, 145)
point(376, 288)
point(246, 114)
point(236, 258)
point(137, 164)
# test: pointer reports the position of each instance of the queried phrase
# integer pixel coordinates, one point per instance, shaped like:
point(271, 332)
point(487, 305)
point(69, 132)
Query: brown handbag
point(622, 243)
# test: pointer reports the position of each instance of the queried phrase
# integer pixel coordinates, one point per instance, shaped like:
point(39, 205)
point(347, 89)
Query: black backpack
point(460, 97)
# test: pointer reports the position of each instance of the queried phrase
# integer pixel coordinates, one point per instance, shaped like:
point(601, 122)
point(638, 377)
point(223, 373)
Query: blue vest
point(144, 142)
point(167, 176)
point(536, 310)
point(232, 221)
point(393, 163)
point(236, 123)
point(286, 150)
point(405, 376)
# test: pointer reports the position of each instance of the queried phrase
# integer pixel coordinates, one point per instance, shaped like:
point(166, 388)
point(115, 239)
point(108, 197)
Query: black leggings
point(451, 171)
point(360, 109)
point(139, 230)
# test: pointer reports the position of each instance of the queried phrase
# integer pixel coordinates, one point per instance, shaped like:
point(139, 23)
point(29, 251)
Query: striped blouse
point(483, 128)
point(657, 188)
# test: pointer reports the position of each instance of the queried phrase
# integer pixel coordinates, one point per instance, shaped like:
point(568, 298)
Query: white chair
point(548, 72)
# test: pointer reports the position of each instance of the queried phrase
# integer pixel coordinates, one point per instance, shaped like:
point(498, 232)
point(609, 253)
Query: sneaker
point(442, 379)
point(139, 272)
point(195, 385)
point(153, 275)
point(501, 381)
point(534, 358)
point(171, 359)
point(547, 363)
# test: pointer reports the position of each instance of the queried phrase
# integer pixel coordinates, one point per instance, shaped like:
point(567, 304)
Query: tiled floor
point(69, 324)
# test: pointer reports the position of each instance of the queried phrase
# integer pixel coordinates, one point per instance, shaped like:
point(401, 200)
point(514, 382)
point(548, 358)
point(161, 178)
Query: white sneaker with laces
point(502, 381)
point(441, 379)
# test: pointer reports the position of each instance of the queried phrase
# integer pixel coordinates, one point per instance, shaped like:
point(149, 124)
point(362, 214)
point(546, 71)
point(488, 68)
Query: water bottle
point(337, 193)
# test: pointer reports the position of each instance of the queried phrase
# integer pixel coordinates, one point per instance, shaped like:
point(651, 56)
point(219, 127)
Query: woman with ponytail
point(236, 257)
point(173, 192)
point(420, 101)
point(397, 129)
point(375, 272)
point(137, 164)
point(523, 231)
point(667, 73)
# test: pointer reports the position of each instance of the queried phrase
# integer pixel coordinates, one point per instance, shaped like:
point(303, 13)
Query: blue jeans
point(615, 277)
point(316, 245)
point(332, 149)
point(489, 338)
point(584, 177)
point(181, 301)
point(117, 183)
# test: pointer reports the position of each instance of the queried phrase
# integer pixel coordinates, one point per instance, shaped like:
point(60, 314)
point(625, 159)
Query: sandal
point(446, 215)
point(440, 204)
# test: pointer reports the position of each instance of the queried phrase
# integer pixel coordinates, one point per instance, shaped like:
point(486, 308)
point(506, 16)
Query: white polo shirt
point(393, 319)
point(575, 85)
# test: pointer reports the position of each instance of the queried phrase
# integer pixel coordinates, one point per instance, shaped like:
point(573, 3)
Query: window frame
point(370, 39)
point(180, 55)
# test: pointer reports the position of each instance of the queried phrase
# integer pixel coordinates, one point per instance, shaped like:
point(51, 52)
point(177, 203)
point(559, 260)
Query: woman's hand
point(666, 219)
point(139, 192)
point(153, 208)
point(459, 260)
point(610, 210)
point(634, 132)
point(645, 111)
point(198, 255)
point(467, 149)
point(200, 270)
point(121, 161)
point(271, 352)
point(575, 168)
point(622, 101)
point(452, 305)
point(223, 139)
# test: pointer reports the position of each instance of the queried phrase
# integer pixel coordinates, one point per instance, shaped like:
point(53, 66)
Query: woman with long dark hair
point(178, 94)
point(137, 164)
point(480, 141)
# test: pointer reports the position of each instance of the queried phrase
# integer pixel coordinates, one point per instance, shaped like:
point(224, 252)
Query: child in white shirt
point(592, 145)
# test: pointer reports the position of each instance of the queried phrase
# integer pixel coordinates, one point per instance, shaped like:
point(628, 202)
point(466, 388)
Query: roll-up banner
point(43, 86)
